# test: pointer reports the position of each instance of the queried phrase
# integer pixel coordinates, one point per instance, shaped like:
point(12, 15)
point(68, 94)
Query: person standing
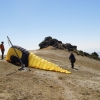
point(72, 59)
point(2, 49)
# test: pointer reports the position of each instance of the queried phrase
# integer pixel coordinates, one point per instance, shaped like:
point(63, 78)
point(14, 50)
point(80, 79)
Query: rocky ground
point(82, 84)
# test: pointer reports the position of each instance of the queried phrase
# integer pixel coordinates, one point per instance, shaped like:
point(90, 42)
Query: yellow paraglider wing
point(37, 62)
point(31, 60)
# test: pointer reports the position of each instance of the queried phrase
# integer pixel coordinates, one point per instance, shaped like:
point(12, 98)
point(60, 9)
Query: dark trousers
point(72, 65)
point(2, 51)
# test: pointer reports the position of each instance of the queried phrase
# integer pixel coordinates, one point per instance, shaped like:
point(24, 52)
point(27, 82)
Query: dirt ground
point(82, 84)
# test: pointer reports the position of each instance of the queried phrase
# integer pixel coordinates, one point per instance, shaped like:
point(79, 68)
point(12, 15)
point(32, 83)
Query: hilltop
point(82, 84)
point(49, 41)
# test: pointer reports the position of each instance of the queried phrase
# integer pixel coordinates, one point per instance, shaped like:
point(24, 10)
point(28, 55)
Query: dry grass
point(82, 84)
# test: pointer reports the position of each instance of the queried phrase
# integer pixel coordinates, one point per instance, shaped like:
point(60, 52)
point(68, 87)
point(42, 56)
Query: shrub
point(41, 45)
point(48, 38)
point(94, 54)
point(86, 54)
point(81, 53)
point(52, 42)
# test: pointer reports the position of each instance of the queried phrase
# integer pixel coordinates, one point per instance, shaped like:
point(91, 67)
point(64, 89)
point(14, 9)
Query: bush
point(52, 42)
point(94, 54)
point(81, 53)
point(43, 44)
point(86, 54)
point(48, 38)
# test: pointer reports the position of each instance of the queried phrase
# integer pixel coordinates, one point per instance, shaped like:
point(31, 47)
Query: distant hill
point(57, 44)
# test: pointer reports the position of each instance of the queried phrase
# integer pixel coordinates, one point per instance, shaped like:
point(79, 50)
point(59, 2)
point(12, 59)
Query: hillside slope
point(82, 84)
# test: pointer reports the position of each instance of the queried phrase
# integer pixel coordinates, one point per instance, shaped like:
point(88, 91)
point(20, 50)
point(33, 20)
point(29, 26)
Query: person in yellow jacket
point(2, 49)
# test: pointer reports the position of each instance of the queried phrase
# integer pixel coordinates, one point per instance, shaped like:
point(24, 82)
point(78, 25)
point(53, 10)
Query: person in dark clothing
point(72, 59)
point(2, 50)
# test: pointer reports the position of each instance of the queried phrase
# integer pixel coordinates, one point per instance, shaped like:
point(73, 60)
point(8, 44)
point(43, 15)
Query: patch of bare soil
point(82, 84)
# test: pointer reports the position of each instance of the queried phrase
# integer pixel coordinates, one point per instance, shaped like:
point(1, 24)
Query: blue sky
point(28, 22)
